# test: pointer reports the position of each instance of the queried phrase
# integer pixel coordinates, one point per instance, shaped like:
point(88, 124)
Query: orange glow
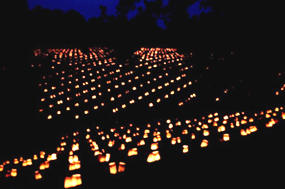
point(129, 139)
point(73, 181)
point(112, 168)
point(1, 168)
point(274, 114)
point(7, 162)
point(271, 123)
point(185, 149)
point(75, 147)
point(133, 152)
point(8, 174)
point(87, 136)
point(226, 137)
point(122, 167)
point(70, 153)
point(97, 152)
point(154, 146)
point(62, 149)
point(122, 147)
point(253, 128)
point(153, 156)
point(35, 157)
point(42, 154)
point(226, 117)
point(216, 119)
point(178, 139)
point(52, 157)
point(248, 131)
point(111, 143)
point(206, 133)
point(283, 115)
point(38, 175)
point(44, 165)
point(145, 135)
point(243, 132)
point(16, 161)
point(104, 158)
point(178, 123)
point(173, 141)
point(243, 122)
point(27, 162)
point(168, 135)
point(237, 123)
point(205, 126)
point(157, 138)
point(141, 143)
point(221, 128)
point(204, 143)
point(193, 136)
point(74, 166)
point(13, 172)
point(86, 112)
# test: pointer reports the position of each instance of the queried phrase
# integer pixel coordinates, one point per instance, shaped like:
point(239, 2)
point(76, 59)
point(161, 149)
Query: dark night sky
point(91, 8)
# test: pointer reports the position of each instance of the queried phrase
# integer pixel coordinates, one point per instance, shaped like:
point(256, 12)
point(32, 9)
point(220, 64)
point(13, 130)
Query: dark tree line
point(230, 23)
point(234, 22)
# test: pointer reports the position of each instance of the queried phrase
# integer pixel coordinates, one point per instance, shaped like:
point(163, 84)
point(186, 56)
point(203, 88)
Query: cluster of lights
point(76, 81)
point(83, 82)
point(87, 81)
point(74, 179)
point(40, 162)
point(131, 141)
point(150, 63)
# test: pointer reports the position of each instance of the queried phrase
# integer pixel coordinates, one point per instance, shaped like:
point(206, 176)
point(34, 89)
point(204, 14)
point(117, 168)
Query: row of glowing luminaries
point(77, 84)
point(74, 165)
point(94, 96)
point(126, 136)
point(158, 54)
point(69, 53)
point(12, 167)
point(125, 140)
point(131, 138)
point(41, 160)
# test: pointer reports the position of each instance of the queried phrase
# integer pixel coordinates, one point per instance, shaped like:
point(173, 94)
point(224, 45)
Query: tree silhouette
point(227, 23)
